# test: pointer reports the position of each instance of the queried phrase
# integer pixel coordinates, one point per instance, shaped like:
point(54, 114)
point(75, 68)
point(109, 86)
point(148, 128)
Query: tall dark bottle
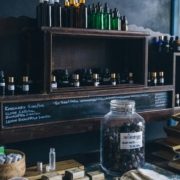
point(39, 13)
point(83, 15)
point(107, 17)
point(2, 83)
point(46, 13)
point(65, 14)
point(56, 14)
point(124, 23)
point(72, 17)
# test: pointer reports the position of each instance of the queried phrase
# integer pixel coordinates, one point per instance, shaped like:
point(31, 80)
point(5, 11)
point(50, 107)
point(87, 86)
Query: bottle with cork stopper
point(25, 85)
point(11, 86)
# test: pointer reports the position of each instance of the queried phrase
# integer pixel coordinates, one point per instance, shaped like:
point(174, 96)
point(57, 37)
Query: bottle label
point(54, 85)
point(131, 140)
point(161, 80)
point(96, 84)
point(11, 87)
point(131, 82)
point(155, 81)
point(114, 83)
point(76, 84)
point(2, 84)
point(25, 87)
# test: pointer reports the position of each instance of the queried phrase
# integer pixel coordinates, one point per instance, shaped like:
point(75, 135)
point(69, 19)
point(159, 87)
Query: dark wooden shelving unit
point(75, 110)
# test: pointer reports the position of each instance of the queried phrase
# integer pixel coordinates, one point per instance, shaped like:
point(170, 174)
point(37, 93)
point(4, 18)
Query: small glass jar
point(122, 138)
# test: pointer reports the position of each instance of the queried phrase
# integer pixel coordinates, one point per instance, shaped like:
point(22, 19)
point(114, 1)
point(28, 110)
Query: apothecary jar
point(122, 138)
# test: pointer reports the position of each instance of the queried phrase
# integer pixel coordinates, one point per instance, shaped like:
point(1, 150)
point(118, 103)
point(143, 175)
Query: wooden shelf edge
point(87, 93)
point(94, 32)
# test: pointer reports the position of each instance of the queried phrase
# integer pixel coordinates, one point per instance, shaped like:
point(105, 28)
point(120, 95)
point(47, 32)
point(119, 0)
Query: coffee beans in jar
point(122, 138)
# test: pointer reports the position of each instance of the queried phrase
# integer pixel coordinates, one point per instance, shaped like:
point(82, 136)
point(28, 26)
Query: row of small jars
point(156, 78)
point(92, 79)
point(11, 88)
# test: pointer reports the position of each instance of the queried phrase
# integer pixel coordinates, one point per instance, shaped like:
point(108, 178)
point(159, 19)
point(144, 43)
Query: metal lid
point(123, 105)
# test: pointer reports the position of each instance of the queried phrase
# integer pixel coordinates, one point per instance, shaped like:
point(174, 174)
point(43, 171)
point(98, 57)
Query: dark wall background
point(154, 14)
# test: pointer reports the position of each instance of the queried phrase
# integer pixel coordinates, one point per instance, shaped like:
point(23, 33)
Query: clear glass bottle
point(52, 159)
point(122, 138)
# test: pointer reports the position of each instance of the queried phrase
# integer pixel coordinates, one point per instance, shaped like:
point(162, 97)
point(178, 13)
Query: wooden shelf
point(95, 32)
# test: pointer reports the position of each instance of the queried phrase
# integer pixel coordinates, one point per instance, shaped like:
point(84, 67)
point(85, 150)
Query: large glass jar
point(122, 138)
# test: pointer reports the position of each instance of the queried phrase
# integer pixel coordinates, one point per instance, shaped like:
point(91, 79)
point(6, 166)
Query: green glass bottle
point(116, 22)
point(93, 16)
point(107, 17)
point(89, 11)
point(100, 17)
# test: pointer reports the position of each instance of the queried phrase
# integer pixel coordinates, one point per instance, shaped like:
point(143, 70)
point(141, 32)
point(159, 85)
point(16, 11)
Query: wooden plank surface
point(33, 174)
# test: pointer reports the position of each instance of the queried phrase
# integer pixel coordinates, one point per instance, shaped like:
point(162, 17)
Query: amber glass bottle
point(11, 86)
point(65, 14)
point(2, 83)
point(25, 85)
point(72, 17)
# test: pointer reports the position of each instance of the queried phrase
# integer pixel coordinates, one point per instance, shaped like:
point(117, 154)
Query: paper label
point(131, 140)
point(26, 87)
point(2, 84)
point(11, 87)
point(54, 85)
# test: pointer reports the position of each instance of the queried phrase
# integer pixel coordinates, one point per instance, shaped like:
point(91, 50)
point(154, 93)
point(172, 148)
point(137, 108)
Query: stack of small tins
point(76, 14)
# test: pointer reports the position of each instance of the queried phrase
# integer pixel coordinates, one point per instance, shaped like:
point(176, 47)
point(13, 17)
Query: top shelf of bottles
point(95, 32)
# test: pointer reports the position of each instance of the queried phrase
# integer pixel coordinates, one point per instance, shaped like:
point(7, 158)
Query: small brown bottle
point(154, 79)
point(130, 78)
point(11, 86)
point(161, 78)
point(25, 85)
point(53, 83)
point(113, 79)
point(96, 79)
point(76, 81)
point(177, 101)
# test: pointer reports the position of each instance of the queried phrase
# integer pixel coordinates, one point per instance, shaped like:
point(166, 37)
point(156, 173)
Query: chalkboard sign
point(16, 114)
